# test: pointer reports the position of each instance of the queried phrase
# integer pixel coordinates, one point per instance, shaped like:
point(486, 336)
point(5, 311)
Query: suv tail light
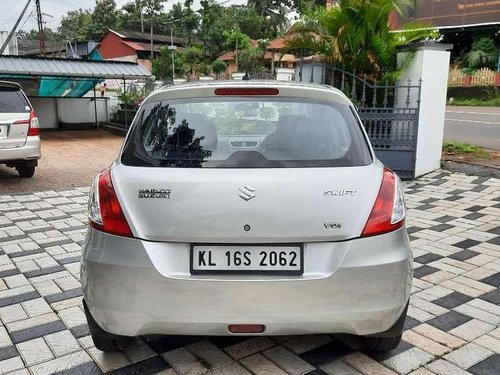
point(388, 212)
point(34, 128)
point(105, 212)
point(33, 124)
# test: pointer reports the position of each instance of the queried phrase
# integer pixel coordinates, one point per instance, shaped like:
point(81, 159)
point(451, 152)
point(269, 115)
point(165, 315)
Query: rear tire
point(388, 340)
point(105, 341)
point(25, 171)
point(110, 345)
point(381, 344)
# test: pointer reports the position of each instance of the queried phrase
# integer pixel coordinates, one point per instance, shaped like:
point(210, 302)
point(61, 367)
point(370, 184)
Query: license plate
point(247, 259)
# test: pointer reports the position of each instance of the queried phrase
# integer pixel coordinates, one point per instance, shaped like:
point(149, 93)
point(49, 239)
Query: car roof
point(10, 84)
point(286, 88)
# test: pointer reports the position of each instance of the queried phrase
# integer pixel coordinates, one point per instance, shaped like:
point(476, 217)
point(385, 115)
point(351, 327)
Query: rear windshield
point(12, 100)
point(245, 133)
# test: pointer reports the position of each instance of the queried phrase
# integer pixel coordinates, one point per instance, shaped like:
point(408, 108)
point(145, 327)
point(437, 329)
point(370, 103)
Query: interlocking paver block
point(34, 351)
point(468, 355)
point(454, 223)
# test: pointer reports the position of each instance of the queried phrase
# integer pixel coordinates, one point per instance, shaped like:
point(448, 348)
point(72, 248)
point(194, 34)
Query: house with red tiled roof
point(135, 46)
point(230, 58)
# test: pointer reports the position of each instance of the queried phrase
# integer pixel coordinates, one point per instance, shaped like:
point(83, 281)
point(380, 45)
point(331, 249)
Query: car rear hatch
point(14, 116)
point(210, 205)
point(260, 167)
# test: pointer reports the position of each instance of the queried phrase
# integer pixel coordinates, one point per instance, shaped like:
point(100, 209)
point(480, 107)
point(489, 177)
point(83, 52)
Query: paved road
point(475, 125)
point(452, 325)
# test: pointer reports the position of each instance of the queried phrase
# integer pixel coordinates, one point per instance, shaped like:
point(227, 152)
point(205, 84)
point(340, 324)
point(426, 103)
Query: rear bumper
point(135, 287)
point(31, 150)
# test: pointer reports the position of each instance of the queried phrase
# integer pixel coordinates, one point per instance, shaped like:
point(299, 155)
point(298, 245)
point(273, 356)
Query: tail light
point(388, 212)
point(33, 124)
point(105, 212)
point(34, 128)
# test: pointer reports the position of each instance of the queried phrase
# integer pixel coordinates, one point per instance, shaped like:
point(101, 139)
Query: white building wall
point(46, 111)
point(81, 110)
point(431, 64)
point(52, 112)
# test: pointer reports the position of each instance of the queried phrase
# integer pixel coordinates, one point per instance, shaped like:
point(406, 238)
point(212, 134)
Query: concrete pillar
point(430, 63)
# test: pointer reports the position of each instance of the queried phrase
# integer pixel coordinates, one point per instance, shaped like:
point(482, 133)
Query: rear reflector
point(247, 91)
point(246, 328)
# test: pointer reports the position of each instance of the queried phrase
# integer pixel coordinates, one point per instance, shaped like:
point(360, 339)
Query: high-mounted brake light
point(34, 125)
point(388, 212)
point(246, 91)
point(105, 212)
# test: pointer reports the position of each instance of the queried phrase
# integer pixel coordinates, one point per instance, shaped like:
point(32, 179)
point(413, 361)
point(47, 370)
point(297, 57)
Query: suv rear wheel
point(25, 171)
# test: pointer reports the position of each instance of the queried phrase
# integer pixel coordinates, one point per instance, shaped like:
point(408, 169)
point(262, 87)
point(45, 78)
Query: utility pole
point(151, 37)
point(142, 20)
point(40, 27)
point(172, 50)
point(9, 37)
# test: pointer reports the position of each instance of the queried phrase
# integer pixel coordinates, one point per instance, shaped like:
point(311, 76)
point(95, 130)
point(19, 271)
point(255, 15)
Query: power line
point(27, 19)
point(6, 42)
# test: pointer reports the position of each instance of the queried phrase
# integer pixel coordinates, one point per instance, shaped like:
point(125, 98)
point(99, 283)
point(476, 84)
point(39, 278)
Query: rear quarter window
point(245, 133)
point(12, 100)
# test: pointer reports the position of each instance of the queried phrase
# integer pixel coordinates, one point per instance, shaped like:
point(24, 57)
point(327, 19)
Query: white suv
point(19, 130)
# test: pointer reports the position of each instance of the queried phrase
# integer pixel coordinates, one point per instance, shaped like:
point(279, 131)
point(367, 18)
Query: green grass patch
point(459, 148)
point(476, 102)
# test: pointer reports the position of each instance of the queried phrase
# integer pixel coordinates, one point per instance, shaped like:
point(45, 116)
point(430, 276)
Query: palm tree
point(274, 11)
point(357, 34)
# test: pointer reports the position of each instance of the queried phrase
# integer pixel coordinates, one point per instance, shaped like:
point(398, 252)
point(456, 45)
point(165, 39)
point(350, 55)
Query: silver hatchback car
point(246, 208)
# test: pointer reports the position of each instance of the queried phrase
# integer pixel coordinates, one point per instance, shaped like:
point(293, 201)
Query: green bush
point(475, 102)
point(465, 149)
point(479, 93)
point(219, 66)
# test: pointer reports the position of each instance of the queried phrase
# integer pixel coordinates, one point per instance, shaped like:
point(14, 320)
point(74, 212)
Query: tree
point(483, 53)
point(273, 10)
point(162, 65)
point(104, 17)
point(129, 18)
point(76, 26)
point(49, 34)
point(173, 20)
point(357, 34)
point(217, 21)
point(193, 60)
point(251, 59)
point(219, 66)
point(235, 39)
point(190, 20)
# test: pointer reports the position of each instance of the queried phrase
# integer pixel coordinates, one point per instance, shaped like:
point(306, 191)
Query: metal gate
point(389, 112)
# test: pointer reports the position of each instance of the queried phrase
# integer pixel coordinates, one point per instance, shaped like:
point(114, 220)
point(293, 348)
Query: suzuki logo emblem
point(247, 192)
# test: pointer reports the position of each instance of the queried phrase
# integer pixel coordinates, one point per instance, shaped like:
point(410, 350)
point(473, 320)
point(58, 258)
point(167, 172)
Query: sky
point(56, 9)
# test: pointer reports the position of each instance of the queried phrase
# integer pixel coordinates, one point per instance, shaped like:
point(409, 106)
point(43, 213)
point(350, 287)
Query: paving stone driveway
point(452, 328)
